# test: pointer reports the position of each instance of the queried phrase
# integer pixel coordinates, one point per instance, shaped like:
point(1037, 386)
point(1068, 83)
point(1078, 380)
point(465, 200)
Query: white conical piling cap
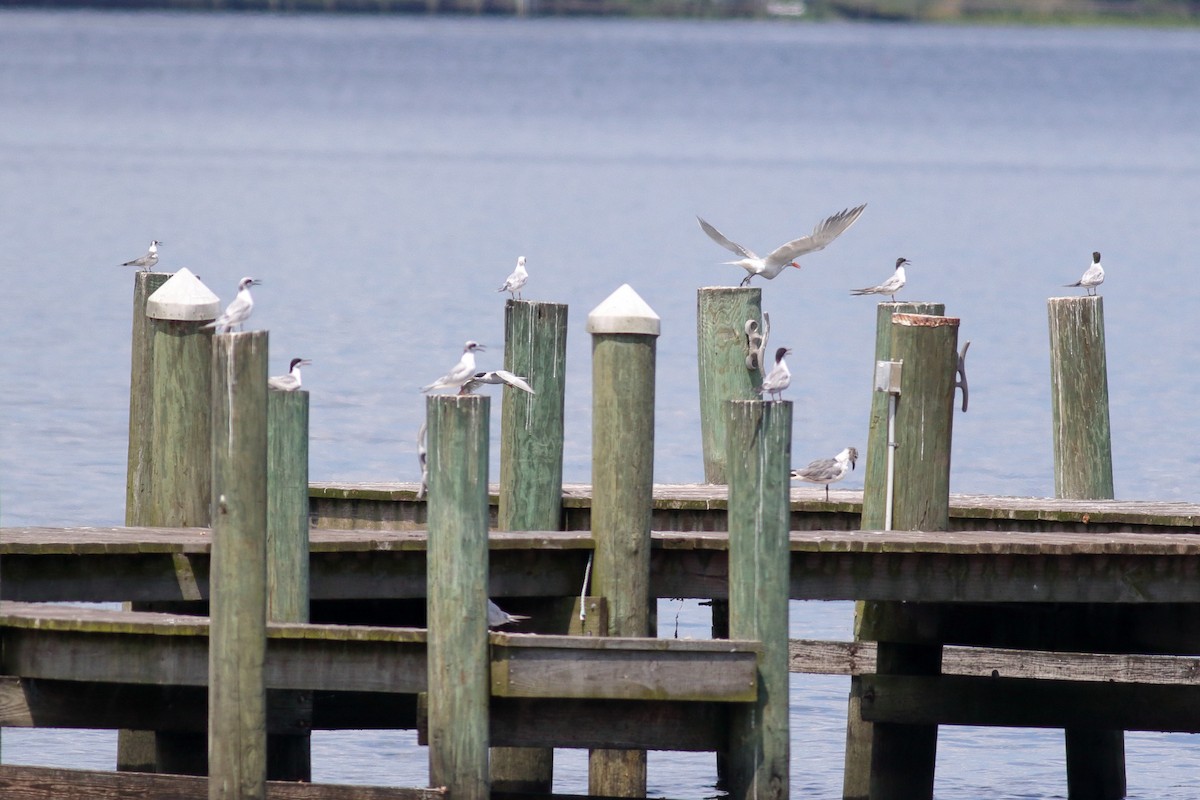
point(624, 311)
point(183, 297)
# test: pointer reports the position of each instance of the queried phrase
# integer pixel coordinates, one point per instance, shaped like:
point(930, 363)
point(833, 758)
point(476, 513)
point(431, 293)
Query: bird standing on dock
point(502, 376)
point(291, 381)
point(238, 311)
point(497, 616)
point(147, 261)
point(779, 378)
point(514, 282)
point(1092, 277)
point(785, 255)
point(463, 372)
point(890, 286)
point(828, 470)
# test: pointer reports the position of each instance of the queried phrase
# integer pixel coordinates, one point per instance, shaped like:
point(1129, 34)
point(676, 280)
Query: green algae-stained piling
point(624, 332)
point(759, 466)
point(237, 737)
point(457, 596)
point(722, 313)
point(141, 431)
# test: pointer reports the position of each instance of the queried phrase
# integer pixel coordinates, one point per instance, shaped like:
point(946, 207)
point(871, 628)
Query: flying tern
point(463, 372)
point(502, 376)
point(828, 470)
point(514, 282)
point(147, 261)
point(238, 311)
point(291, 381)
point(1092, 277)
point(779, 378)
point(497, 616)
point(784, 255)
point(890, 286)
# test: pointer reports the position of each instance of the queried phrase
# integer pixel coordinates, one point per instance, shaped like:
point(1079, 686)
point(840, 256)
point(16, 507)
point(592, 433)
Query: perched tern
point(463, 372)
point(890, 286)
point(238, 311)
point(291, 381)
point(147, 261)
point(497, 376)
point(828, 470)
point(784, 255)
point(497, 616)
point(514, 282)
point(1093, 277)
point(779, 378)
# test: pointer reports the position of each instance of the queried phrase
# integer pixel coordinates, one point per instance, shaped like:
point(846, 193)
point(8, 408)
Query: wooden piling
point(624, 330)
point(759, 466)
point(721, 316)
point(141, 414)
point(457, 596)
point(237, 738)
point(1083, 471)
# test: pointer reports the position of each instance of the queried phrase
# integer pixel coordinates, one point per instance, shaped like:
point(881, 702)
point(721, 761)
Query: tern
point(890, 286)
point(828, 470)
point(1092, 277)
point(514, 282)
point(785, 255)
point(497, 616)
point(291, 381)
point(238, 311)
point(779, 378)
point(147, 261)
point(497, 376)
point(463, 372)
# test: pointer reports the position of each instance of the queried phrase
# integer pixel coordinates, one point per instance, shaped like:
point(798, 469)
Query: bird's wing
point(720, 239)
point(514, 381)
point(826, 231)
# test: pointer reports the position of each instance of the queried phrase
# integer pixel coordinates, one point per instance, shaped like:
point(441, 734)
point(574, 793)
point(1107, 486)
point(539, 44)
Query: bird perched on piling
point(144, 263)
point(462, 373)
point(890, 286)
point(828, 470)
point(779, 378)
point(1092, 277)
point(785, 255)
point(514, 282)
point(497, 616)
point(502, 376)
point(238, 310)
point(291, 381)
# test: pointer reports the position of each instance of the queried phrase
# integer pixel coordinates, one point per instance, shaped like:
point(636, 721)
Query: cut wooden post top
point(183, 297)
point(924, 320)
point(624, 311)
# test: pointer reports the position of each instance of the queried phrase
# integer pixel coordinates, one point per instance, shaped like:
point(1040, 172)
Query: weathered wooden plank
point(628, 724)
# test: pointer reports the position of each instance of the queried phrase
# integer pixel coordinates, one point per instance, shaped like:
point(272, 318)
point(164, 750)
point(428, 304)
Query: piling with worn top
point(237, 737)
point(721, 316)
point(141, 415)
point(624, 331)
point(457, 597)
point(759, 466)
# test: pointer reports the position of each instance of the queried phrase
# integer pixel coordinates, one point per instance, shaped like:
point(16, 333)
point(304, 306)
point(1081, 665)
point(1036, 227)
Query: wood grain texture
point(141, 414)
point(721, 316)
point(1079, 399)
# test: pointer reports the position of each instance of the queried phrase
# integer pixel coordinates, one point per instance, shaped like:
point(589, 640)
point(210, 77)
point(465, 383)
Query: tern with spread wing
point(1093, 277)
point(828, 470)
point(890, 286)
point(463, 372)
point(501, 376)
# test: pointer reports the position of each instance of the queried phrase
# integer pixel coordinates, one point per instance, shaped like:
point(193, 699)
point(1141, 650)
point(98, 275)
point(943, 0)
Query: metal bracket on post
point(961, 383)
point(756, 343)
point(888, 379)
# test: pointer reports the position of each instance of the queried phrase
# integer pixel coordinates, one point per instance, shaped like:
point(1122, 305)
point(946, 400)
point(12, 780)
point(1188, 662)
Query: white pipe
point(891, 462)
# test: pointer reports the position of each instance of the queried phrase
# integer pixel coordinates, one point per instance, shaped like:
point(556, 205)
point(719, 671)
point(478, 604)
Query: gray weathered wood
point(721, 316)
point(141, 413)
point(1079, 398)
point(457, 603)
point(237, 692)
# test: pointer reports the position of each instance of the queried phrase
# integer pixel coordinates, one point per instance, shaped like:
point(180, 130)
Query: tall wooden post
point(457, 598)
point(289, 756)
point(237, 733)
point(531, 454)
point(721, 316)
point(1083, 471)
point(141, 414)
point(624, 331)
point(759, 466)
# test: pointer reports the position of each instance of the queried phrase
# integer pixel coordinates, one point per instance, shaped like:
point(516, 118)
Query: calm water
point(381, 175)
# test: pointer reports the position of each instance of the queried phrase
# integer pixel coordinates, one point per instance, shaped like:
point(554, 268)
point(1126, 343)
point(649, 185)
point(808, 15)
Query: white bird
point(497, 376)
point(422, 459)
point(779, 378)
point(463, 372)
point(291, 381)
point(514, 282)
point(147, 261)
point(785, 255)
point(828, 470)
point(890, 286)
point(497, 616)
point(1092, 277)
point(238, 311)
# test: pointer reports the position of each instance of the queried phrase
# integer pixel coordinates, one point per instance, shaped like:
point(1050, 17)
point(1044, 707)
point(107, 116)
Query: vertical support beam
point(759, 466)
point(237, 734)
point(141, 429)
point(1083, 471)
point(721, 316)
point(624, 331)
point(457, 598)
point(531, 456)
point(289, 757)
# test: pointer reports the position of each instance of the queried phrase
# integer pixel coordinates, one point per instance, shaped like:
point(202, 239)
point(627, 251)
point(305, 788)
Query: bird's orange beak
point(795, 264)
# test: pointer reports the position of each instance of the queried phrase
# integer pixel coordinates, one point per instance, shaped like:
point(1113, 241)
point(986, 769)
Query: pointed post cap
point(624, 311)
point(183, 297)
